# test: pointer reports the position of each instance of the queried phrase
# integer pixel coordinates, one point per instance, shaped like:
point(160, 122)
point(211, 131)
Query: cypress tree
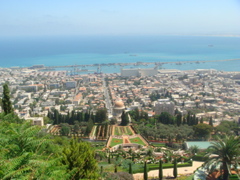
point(56, 117)
point(133, 157)
point(109, 160)
point(175, 168)
point(115, 169)
point(189, 118)
point(160, 173)
point(125, 119)
point(130, 168)
point(201, 120)
point(211, 121)
point(145, 175)
point(179, 119)
point(6, 102)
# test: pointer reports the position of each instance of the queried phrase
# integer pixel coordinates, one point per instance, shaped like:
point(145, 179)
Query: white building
point(36, 120)
point(118, 108)
point(139, 72)
point(164, 105)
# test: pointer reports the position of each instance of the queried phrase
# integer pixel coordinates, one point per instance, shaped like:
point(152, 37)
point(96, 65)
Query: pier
point(156, 64)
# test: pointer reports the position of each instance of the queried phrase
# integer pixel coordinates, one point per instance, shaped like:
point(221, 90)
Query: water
point(50, 51)
point(200, 144)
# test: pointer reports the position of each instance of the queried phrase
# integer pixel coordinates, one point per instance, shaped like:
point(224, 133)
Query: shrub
point(120, 176)
point(199, 158)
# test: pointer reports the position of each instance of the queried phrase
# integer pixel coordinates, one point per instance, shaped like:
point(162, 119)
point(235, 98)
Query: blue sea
point(52, 51)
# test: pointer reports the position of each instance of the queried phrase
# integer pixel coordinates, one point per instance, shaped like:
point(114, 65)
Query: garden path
point(125, 139)
point(169, 172)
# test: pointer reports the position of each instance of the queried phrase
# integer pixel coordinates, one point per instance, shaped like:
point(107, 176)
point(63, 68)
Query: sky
point(119, 17)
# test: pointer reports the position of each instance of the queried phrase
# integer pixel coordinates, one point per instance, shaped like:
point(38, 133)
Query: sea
point(82, 50)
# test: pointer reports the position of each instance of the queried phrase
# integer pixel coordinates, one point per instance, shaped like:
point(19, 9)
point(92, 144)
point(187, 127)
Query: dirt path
point(109, 141)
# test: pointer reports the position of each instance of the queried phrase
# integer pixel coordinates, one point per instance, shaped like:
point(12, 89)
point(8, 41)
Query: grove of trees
point(27, 152)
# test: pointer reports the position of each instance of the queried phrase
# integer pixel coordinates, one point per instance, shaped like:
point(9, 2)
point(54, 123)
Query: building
point(118, 108)
point(164, 105)
point(71, 84)
point(36, 120)
point(77, 99)
point(54, 85)
point(139, 72)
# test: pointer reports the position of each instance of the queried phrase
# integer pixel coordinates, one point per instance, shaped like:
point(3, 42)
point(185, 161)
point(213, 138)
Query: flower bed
point(137, 140)
point(115, 142)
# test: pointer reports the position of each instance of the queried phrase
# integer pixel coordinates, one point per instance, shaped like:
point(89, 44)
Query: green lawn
point(129, 132)
point(122, 130)
point(158, 144)
point(109, 167)
point(115, 142)
point(137, 140)
point(116, 132)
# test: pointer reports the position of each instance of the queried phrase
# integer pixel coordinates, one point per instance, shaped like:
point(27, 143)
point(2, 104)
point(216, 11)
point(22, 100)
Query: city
point(61, 103)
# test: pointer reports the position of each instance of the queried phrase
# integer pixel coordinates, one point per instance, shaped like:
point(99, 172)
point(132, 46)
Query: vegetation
point(145, 175)
point(160, 173)
point(137, 140)
point(175, 168)
point(115, 142)
point(226, 153)
point(80, 156)
point(28, 153)
point(125, 119)
point(6, 102)
point(202, 130)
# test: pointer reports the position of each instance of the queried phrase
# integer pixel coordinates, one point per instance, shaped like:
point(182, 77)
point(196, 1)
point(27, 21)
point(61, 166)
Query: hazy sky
point(119, 17)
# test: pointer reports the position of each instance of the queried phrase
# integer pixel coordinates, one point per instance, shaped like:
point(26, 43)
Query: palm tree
point(194, 149)
point(226, 153)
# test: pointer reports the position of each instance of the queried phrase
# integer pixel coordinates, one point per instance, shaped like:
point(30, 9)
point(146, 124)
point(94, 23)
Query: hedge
point(200, 158)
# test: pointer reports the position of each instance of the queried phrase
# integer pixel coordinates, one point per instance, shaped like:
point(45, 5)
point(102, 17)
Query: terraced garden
point(137, 140)
point(122, 130)
point(115, 142)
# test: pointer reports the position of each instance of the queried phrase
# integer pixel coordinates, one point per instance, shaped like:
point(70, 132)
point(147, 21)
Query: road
point(107, 97)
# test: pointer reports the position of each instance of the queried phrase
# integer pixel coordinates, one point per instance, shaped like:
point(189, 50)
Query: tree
point(175, 168)
point(226, 153)
point(80, 156)
point(6, 102)
point(27, 153)
point(109, 159)
point(76, 128)
point(65, 129)
point(202, 130)
point(194, 149)
point(226, 127)
point(89, 127)
point(166, 118)
point(211, 121)
point(145, 175)
point(125, 119)
point(130, 168)
point(160, 173)
point(179, 119)
point(101, 115)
